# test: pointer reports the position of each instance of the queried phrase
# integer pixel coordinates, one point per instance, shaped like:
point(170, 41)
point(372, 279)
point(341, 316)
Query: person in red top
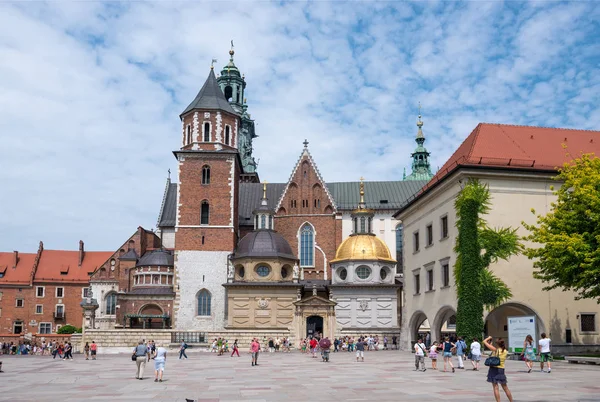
point(254, 349)
point(93, 348)
point(313, 347)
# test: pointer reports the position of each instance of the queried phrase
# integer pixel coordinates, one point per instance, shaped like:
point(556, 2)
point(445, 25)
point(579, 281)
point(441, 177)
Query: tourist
point(433, 355)
point(428, 340)
point(271, 345)
point(142, 354)
point(160, 358)
point(220, 346)
point(360, 349)
point(545, 353)
point(336, 343)
point(395, 342)
point(214, 346)
point(254, 350)
point(420, 355)
point(93, 349)
point(385, 343)
point(496, 373)
point(461, 348)
point(313, 347)
point(448, 353)
point(182, 349)
point(86, 350)
point(303, 345)
point(68, 351)
point(475, 354)
point(528, 353)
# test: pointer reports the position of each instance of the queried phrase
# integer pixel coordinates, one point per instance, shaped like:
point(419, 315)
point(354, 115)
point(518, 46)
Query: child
point(433, 355)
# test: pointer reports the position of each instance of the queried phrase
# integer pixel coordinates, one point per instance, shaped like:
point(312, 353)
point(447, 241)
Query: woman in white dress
point(160, 358)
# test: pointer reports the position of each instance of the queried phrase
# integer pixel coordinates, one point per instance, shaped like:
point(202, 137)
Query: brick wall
point(218, 120)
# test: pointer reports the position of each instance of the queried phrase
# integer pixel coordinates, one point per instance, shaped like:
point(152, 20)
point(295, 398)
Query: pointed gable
point(306, 191)
point(210, 97)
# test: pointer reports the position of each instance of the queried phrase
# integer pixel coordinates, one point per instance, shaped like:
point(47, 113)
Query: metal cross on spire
point(212, 63)
point(305, 143)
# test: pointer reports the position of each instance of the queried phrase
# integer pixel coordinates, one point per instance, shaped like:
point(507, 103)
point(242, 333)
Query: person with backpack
point(496, 375)
point(420, 354)
point(461, 348)
point(182, 349)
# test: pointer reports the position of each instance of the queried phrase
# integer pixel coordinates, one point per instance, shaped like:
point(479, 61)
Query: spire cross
point(212, 63)
point(305, 143)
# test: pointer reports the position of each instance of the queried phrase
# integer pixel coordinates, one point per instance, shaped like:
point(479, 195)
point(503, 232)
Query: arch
point(203, 298)
point(399, 252)
point(415, 325)
point(204, 212)
point(228, 92)
point(189, 134)
point(281, 211)
point(328, 209)
point(286, 271)
point(442, 316)
point(306, 237)
point(240, 271)
point(151, 308)
point(227, 134)
point(206, 132)
point(110, 303)
point(497, 320)
point(263, 221)
point(205, 174)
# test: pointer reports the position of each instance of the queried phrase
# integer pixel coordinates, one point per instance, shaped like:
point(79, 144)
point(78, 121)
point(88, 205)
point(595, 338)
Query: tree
point(68, 329)
point(566, 254)
point(477, 247)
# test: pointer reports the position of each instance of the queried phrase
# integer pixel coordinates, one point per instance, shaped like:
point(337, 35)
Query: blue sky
point(90, 94)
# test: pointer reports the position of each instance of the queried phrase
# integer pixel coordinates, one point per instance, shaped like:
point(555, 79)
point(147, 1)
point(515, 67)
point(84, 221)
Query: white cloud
point(90, 94)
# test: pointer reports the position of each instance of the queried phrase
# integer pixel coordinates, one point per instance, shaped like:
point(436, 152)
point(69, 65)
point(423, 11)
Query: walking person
point(254, 350)
point(528, 353)
point(182, 349)
point(420, 355)
point(160, 358)
point(475, 354)
point(86, 350)
point(433, 354)
point(496, 374)
point(235, 349)
point(461, 348)
point(93, 349)
point(313, 347)
point(360, 349)
point(142, 354)
point(545, 353)
point(448, 353)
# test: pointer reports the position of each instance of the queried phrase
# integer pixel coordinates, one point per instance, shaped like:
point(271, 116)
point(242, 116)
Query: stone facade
point(265, 307)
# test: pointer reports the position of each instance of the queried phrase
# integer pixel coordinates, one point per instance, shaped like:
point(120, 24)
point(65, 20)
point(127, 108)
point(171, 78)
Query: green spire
point(233, 84)
point(421, 168)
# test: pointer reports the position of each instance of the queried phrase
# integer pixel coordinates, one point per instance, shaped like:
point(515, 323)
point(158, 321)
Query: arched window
point(271, 222)
point(263, 222)
point(307, 246)
point(189, 134)
point(204, 302)
point(204, 213)
point(399, 256)
point(111, 303)
point(206, 175)
point(227, 135)
point(228, 92)
point(362, 224)
point(206, 132)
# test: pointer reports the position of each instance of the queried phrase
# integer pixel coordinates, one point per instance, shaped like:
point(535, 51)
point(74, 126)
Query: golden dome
point(363, 247)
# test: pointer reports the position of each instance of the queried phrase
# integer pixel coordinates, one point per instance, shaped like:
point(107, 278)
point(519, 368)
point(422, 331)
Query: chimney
point(16, 259)
point(81, 252)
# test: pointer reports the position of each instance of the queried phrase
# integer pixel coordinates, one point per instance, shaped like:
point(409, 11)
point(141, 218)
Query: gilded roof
point(363, 247)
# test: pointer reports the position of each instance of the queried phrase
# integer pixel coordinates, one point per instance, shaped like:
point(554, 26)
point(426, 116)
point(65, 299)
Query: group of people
point(473, 352)
point(54, 348)
point(146, 351)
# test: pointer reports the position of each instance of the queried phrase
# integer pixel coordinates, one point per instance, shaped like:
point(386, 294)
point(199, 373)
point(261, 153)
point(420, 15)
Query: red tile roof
point(63, 265)
point(22, 273)
point(517, 147)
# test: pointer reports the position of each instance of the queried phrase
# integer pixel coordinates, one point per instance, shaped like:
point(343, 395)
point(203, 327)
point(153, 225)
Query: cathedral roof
point(210, 97)
point(363, 247)
point(159, 257)
point(263, 244)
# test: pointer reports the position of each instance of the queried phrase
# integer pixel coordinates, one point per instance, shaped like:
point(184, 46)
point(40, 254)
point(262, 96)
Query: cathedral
point(232, 254)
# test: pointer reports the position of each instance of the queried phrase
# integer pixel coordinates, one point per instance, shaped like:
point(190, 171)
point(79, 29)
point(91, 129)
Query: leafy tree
point(68, 329)
point(567, 254)
point(477, 247)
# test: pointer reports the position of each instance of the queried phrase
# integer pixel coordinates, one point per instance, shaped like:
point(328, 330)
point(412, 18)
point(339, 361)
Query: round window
point(284, 272)
point(363, 272)
point(241, 272)
point(343, 273)
point(383, 274)
point(262, 270)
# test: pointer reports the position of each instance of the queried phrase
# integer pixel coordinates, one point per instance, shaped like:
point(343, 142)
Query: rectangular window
point(417, 284)
point(429, 235)
point(60, 292)
point(445, 274)
point(588, 322)
point(45, 327)
point(39, 309)
point(60, 311)
point(416, 241)
point(40, 291)
point(444, 225)
point(19, 303)
point(85, 292)
point(430, 279)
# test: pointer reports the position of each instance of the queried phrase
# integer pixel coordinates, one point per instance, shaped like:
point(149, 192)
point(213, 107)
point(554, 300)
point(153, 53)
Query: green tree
point(68, 329)
point(477, 247)
point(566, 251)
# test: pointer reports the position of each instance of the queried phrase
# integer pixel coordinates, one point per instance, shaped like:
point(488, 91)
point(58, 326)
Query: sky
point(91, 92)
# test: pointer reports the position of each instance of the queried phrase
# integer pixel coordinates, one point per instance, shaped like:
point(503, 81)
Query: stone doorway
point(314, 325)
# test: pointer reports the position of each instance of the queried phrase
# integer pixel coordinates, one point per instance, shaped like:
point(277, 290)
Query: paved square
point(384, 376)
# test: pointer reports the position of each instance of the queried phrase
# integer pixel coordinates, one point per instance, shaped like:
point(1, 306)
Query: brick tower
point(207, 207)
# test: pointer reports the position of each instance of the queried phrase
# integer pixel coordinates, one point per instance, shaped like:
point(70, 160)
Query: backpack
point(185, 345)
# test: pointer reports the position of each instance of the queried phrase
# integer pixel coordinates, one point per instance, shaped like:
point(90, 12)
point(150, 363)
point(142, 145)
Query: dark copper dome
point(156, 258)
point(263, 244)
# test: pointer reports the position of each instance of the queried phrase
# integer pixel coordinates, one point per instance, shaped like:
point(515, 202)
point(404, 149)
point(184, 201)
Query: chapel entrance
point(314, 325)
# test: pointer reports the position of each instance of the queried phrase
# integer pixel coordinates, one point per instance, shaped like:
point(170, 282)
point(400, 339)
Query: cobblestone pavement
point(384, 376)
